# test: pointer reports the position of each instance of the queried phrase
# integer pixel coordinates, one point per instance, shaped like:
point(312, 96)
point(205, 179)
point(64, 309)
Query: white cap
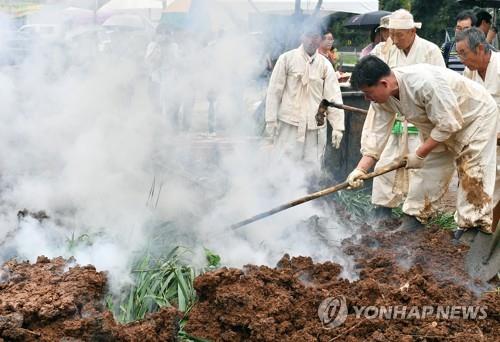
point(402, 20)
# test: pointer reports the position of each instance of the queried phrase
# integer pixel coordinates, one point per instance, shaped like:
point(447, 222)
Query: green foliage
point(349, 58)
point(443, 220)
point(397, 212)
point(74, 242)
point(158, 282)
point(393, 5)
point(161, 282)
point(436, 17)
point(213, 259)
point(356, 202)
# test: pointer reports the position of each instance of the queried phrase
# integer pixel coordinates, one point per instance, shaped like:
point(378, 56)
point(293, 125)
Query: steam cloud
point(81, 139)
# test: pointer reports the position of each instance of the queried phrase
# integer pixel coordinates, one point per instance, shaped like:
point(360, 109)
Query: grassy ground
point(349, 57)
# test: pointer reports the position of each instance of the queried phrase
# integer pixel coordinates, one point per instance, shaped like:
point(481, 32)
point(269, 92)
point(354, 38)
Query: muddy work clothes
point(298, 84)
point(492, 83)
point(390, 189)
point(457, 112)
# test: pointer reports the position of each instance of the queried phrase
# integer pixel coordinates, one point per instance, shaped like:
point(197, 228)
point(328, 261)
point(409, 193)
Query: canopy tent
point(148, 8)
point(86, 4)
point(131, 5)
point(350, 6)
point(228, 14)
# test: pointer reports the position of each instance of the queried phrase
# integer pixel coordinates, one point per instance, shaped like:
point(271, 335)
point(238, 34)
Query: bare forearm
point(366, 163)
point(426, 147)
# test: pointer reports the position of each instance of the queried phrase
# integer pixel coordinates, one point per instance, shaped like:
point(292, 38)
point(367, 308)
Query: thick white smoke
point(81, 139)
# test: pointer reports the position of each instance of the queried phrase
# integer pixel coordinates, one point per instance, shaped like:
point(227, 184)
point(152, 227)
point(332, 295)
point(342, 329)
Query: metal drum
point(338, 163)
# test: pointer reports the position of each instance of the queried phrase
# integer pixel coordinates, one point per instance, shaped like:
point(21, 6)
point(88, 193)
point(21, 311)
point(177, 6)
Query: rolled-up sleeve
point(441, 106)
point(333, 94)
point(275, 90)
point(376, 130)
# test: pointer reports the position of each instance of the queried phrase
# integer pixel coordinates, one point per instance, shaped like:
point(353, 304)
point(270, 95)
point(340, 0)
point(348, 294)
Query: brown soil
point(396, 268)
point(48, 301)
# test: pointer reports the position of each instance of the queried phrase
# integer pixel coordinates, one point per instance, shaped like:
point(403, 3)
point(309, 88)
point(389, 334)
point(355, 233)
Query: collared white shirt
point(441, 103)
point(421, 51)
point(492, 78)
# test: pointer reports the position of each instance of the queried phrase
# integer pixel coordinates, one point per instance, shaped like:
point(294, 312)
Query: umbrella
point(365, 21)
point(117, 5)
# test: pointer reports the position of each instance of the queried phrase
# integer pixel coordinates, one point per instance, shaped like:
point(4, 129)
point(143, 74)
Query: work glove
point(336, 138)
point(354, 178)
point(271, 129)
point(414, 161)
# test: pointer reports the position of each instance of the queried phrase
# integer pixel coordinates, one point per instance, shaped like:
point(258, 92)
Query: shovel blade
point(483, 260)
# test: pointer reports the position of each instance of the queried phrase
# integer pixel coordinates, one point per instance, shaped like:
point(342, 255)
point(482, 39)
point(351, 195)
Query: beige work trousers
point(476, 165)
point(309, 153)
point(496, 193)
point(389, 190)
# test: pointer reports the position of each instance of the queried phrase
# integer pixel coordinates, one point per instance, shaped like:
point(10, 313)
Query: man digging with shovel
point(450, 111)
point(483, 66)
point(406, 48)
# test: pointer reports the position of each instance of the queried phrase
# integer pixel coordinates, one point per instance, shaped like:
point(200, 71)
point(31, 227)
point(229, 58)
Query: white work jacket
point(298, 84)
point(441, 103)
point(492, 78)
point(422, 51)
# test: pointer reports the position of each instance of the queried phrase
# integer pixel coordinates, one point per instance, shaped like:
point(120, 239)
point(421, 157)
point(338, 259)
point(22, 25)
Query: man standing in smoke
point(300, 80)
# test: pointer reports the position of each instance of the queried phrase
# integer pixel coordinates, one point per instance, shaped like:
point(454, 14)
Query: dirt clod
point(405, 269)
point(50, 301)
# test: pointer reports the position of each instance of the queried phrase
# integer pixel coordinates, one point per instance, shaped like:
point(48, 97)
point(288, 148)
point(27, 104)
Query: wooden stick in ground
point(380, 171)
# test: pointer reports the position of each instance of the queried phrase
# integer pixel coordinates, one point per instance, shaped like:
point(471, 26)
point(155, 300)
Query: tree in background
point(392, 5)
point(436, 17)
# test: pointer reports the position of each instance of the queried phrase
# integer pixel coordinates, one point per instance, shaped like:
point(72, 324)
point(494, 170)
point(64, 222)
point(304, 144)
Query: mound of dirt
point(421, 269)
point(50, 301)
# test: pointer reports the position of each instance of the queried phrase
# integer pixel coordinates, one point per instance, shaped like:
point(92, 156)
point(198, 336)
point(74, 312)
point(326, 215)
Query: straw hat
point(402, 20)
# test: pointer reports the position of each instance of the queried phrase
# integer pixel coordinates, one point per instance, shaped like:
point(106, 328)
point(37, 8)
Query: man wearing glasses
point(465, 20)
point(482, 66)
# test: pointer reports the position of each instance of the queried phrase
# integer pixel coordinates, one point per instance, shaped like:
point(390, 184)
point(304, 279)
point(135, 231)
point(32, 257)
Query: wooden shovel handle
point(380, 171)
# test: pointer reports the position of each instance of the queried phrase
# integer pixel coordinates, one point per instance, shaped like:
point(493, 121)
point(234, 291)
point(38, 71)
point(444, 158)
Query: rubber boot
point(381, 213)
point(464, 236)
point(410, 224)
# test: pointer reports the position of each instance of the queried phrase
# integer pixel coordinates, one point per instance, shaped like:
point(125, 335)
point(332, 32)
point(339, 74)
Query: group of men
point(440, 122)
